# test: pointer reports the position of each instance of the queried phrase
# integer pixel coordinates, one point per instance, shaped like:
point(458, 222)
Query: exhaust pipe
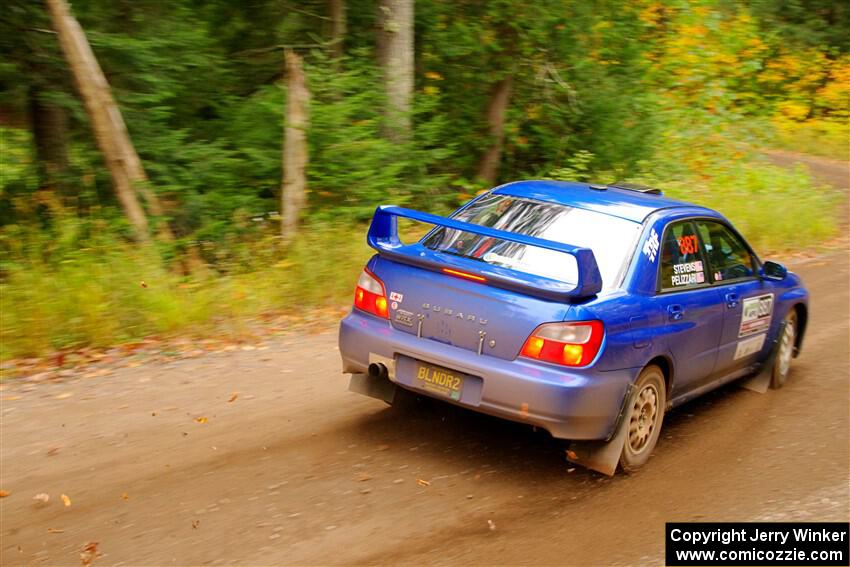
point(378, 370)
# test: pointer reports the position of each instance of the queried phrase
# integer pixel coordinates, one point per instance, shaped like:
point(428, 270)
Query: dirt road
point(163, 465)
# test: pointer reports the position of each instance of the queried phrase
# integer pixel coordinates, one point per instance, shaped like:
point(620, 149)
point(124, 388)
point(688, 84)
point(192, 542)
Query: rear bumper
point(577, 405)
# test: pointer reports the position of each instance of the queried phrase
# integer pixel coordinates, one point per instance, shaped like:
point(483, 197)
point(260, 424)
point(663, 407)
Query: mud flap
point(603, 456)
point(373, 386)
point(761, 381)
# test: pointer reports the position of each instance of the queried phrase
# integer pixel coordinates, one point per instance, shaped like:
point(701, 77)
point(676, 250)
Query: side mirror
point(773, 271)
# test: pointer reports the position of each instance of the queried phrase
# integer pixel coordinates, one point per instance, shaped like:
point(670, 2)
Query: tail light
point(569, 344)
point(370, 295)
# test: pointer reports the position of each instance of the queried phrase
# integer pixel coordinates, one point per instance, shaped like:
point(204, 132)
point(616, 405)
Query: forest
point(422, 103)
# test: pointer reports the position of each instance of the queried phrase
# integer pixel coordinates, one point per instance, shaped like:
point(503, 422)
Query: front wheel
point(782, 364)
point(643, 419)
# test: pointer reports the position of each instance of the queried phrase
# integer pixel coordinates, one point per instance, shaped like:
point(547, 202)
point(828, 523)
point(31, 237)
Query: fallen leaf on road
point(41, 497)
point(233, 397)
point(492, 525)
point(422, 482)
point(65, 500)
point(201, 419)
point(125, 496)
point(89, 553)
point(55, 531)
point(64, 396)
point(4, 493)
point(195, 524)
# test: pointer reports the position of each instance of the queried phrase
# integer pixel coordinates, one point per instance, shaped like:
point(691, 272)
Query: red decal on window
point(688, 244)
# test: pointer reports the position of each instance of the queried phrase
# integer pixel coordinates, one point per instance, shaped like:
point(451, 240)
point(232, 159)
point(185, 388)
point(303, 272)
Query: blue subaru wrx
point(586, 310)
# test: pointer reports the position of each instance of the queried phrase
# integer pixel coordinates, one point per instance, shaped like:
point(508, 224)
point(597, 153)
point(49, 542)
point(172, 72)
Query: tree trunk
point(294, 191)
point(49, 125)
point(338, 28)
point(395, 53)
point(488, 167)
point(120, 156)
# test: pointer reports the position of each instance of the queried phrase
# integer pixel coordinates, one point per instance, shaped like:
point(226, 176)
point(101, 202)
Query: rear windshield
point(610, 238)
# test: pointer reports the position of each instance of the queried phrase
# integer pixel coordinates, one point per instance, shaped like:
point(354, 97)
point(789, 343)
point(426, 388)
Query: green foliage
point(676, 93)
point(577, 168)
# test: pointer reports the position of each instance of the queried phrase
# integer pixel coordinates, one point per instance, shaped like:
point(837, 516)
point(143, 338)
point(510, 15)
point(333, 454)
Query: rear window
point(610, 238)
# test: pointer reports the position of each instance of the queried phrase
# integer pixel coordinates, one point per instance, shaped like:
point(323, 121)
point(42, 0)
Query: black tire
point(784, 352)
point(643, 418)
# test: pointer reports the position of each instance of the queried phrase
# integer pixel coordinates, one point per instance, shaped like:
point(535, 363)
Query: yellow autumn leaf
point(65, 500)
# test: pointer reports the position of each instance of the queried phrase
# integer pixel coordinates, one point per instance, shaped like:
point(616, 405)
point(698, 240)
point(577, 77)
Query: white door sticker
point(749, 346)
point(756, 314)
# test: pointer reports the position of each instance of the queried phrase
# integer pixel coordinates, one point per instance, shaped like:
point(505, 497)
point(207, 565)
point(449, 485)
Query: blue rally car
point(586, 310)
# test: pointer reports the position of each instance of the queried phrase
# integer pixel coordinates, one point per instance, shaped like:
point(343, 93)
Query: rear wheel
point(643, 418)
point(782, 364)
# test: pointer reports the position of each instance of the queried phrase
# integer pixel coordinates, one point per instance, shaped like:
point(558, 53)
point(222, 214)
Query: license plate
point(442, 381)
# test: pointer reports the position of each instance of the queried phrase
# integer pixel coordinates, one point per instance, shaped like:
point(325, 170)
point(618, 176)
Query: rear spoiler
point(383, 237)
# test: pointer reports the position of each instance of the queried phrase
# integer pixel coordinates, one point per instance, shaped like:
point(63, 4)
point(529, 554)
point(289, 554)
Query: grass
point(776, 209)
point(826, 138)
point(114, 293)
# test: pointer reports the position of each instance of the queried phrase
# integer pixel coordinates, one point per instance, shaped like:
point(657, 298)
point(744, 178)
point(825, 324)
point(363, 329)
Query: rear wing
point(383, 237)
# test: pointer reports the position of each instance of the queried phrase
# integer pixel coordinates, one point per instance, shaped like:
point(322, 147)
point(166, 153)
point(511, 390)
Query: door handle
point(675, 312)
point(732, 300)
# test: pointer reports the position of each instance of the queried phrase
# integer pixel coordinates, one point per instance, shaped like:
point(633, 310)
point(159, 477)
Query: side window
point(727, 255)
point(681, 261)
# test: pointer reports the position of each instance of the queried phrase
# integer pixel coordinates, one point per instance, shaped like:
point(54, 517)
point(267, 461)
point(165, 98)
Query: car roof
point(628, 204)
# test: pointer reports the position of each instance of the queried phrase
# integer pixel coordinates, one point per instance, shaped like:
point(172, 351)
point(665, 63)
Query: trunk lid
point(462, 313)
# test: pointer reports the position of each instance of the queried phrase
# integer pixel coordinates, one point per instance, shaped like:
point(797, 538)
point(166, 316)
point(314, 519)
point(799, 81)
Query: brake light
point(568, 344)
point(464, 275)
point(370, 295)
